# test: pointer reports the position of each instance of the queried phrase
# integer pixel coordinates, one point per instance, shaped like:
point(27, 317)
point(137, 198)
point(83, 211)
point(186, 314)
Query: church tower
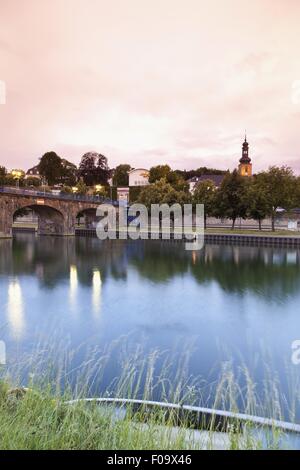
point(245, 166)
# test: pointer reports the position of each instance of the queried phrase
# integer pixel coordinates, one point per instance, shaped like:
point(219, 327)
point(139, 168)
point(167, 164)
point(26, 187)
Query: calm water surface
point(225, 303)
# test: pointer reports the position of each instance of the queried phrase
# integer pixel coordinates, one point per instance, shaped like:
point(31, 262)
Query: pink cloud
point(176, 82)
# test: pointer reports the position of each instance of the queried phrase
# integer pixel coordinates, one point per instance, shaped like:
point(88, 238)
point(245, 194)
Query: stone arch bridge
point(57, 215)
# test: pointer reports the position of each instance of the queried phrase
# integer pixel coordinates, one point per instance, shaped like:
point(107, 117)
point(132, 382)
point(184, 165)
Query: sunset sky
point(151, 81)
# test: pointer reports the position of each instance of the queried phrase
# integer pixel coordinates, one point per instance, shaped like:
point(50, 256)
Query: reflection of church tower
point(245, 166)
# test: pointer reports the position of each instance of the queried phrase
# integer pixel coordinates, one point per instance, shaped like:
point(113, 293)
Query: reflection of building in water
point(73, 285)
point(15, 309)
point(236, 254)
point(291, 257)
point(97, 285)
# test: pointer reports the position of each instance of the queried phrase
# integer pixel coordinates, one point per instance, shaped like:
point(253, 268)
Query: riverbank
point(259, 233)
point(39, 420)
point(36, 419)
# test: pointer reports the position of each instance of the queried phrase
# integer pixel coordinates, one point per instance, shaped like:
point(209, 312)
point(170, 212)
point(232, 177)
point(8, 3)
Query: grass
point(42, 421)
point(261, 233)
point(41, 418)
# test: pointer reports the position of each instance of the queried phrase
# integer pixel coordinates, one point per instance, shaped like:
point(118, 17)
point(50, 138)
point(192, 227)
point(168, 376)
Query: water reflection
point(15, 309)
point(73, 286)
point(226, 301)
point(97, 285)
point(271, 271)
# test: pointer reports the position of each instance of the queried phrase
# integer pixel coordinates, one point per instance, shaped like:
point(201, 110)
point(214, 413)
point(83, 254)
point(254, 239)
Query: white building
point(138, 177)
point(33, 172)
point(123, 195)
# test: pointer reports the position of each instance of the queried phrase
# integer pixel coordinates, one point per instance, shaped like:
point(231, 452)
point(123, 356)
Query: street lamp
point(17, 175)
point(98, 188)
point(74, 189)
point(44, 184)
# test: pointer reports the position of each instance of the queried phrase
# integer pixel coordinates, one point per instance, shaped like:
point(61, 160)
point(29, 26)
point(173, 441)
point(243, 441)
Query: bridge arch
point(56, 215)
point(51, 221)
point(87, 216)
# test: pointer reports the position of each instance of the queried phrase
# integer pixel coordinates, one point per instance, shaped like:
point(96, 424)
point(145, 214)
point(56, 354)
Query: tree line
point(258, 197)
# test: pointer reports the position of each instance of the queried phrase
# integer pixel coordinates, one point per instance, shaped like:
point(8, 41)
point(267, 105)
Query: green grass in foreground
point(39, 421)
point(36, 420)
point(41, 418)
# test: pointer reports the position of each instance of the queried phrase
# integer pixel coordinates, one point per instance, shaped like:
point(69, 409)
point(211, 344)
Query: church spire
point(245, 152)
point(245, 166)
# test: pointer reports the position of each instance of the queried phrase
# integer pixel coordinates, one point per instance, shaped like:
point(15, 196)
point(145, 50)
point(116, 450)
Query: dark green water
point(225, 303)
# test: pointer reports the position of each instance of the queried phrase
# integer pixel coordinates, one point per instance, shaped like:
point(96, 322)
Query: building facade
point(33, 172)
point(138, 177)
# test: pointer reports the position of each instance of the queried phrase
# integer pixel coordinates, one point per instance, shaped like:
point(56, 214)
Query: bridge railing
point(63, 196)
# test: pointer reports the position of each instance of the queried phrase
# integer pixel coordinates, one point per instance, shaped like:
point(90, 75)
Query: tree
point(93, 169)
point(161, 192)
point(68, 174)
point(121, 177)
point(279, 184)
point(18, 176)
point(32, 181)
point(67, 189)
point(176, 180)
point(205, 193)
point(3, 173)
point(9, 180)
point(178, 183)
point(50, 167)
point(297, 192)
point(81, 187)
point(231, 198)
point(158, 172)
point(203, 170)
point(259, 204)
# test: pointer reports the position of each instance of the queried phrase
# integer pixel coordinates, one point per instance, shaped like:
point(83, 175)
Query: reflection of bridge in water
point(57, 214)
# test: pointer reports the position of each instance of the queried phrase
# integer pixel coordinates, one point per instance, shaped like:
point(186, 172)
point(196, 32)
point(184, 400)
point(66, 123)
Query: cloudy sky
point(150, 81)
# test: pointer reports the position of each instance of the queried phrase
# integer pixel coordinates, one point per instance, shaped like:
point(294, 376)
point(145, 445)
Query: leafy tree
point(16, 176)
point(161, 192)
point(81, 187)
point(68, 174)
point(158, 172)
point(259, 204)
point(178, 183)
point(50, 167)
point(205, 193)
point(203, 170)
point(67, 189)
point(231, 198)
point(176, 180)
point(297, 192)
point(93, 169)
point(279, 184)
point(9, 180)
point(3, 173)
point(121, 177)
point(32, 181)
